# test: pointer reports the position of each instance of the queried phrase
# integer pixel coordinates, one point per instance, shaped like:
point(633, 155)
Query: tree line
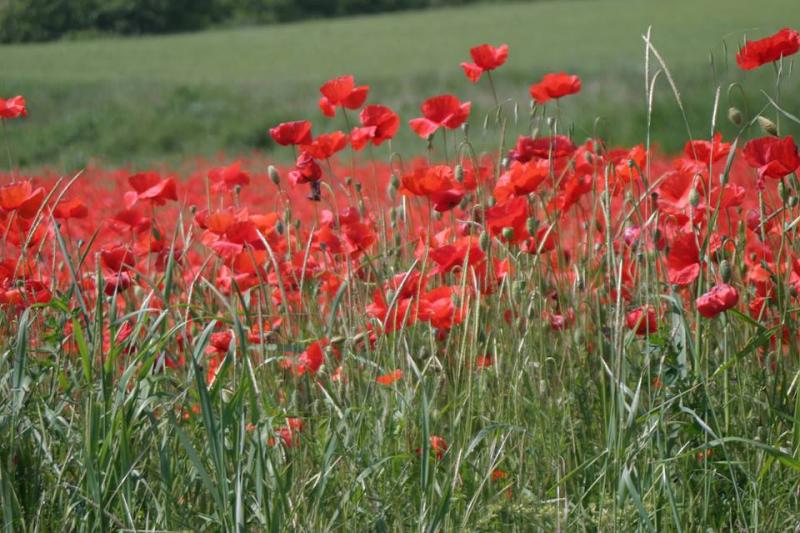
point(44, 20)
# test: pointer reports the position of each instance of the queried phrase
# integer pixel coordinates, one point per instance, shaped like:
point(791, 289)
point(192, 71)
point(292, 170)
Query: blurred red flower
point(288, 133)
point(13, 107)
point(486, 57)
point(773, 157)
point(756, 53)
point(555, 85)
point(378, 124)
point(444, 110)
point(341, 91)
point(720, 298)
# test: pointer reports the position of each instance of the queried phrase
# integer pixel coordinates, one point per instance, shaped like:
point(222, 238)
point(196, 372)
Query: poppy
point(642, 321)
point(21, 197)
point(74, 208)
point(444, 110)
point(325, 145)
point(756, 53)
point(341, 91)
point(227, 178)
point(311, 360)
point(13, 107)
point(378, 124)
point(150, 186)
point(512, 214)
point(683, 260)
point(391, 377)
point(521, 179)
point(485, 58)
point(720, 298)
point(288, 133)
point(306, 170)
point(117, 258)
point(528, 148)
point(555, 85)
point(773, 157)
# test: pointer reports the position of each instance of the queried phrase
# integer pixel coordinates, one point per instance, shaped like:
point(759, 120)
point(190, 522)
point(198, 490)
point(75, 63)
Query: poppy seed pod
point(725, 271)
point(767, 125)
point(735, 116)
point(508, 233)
point(273, 175)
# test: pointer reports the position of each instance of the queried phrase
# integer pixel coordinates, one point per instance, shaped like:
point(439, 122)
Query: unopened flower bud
point(237, 189)
point(508, 233)
point(357, 186)
point(491, 201)
point(459, 173)
point(483, 241)
point(279, 227)
point(391, 191)
point(395, 181)
point(694, 198)
point(193, 209)
point(735, 116)
point(767, 125)
point(784, 191)
point(792, 201)
point(273, 175)
point(725, 271)
point(532, 224)
point(348, 181)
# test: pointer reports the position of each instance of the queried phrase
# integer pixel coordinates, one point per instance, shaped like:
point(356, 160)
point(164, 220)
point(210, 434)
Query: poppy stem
point(494, 91)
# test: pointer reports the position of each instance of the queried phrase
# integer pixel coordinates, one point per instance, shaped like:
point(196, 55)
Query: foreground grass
point(135, 100)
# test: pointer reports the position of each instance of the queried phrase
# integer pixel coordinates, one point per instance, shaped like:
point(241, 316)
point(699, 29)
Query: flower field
point(551, 334)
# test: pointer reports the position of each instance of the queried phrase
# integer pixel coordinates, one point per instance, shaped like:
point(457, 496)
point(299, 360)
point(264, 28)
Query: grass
point(136, 100)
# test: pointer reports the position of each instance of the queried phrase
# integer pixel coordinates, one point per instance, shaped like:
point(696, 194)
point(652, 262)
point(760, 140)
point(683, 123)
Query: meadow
point(171, 98)
point(433, 292)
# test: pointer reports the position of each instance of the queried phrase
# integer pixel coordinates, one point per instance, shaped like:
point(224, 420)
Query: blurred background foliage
point(45, 20)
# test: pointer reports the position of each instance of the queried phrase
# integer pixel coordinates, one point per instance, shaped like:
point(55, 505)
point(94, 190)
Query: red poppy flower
point(440, 111)
point(391, 377)
point(311, 360)
point(773, 157)
point(21, 197)
point(117, 258)
point(74, 208)
point(642, 321)
point(510, 214)
point(325, 145)
point(720, 298)
point(555, 86)
point(486, 57)
point(553, 147)
point(341, 91)
point(150, 186)
point(683, 261)
point(305, 170)
point(521, 179)
point(288, 133)
point(227, 178)
point(378, 124)
point(13, 107)
point(756, 53)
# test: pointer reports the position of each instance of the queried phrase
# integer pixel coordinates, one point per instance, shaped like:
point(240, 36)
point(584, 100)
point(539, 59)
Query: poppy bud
point(784, 191)
point(505, 162)
point(348, 181)
point(273, 175)
point(723, 178)
point(483, 241)
point(430, 142)
point(459, 173)
point(532, 224)
point(735, 116)
point(508, 233)
point(792, 201)
point(297, 225)
point(279, 227)
point(492, 201)
point(767, 125)
point(237, 189)
point(357, 186)
point(362, 209)
point(391, 191)
point(694, 197)
point(193, 209)
point(725, 271)
point(464, 203)
point(465, 129)
point(395, 181)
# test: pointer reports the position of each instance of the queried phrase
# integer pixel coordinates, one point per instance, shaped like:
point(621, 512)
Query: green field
point(133, 100)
